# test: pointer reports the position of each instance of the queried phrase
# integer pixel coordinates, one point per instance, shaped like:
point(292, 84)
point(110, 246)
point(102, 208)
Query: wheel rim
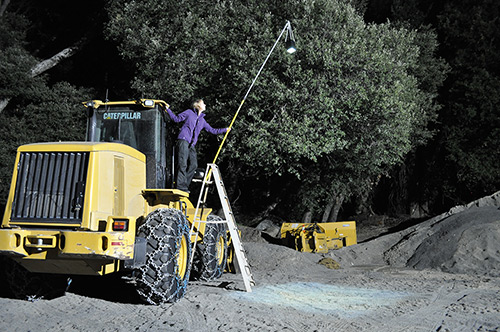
point(220, 250)
point(182, 257)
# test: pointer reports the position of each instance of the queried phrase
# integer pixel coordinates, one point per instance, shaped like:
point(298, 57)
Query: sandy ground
point(440, 275)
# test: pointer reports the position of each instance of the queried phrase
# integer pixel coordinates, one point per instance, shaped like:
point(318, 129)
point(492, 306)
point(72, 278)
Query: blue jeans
point(187, 162)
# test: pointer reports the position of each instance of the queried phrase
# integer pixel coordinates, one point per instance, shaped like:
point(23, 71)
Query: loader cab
point(140, 124)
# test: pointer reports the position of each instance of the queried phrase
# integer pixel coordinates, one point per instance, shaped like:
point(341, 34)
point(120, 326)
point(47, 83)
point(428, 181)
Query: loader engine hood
point(52, 181)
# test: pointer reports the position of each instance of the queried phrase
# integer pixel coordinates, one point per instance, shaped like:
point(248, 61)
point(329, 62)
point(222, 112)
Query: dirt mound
point(266, 257)
point(463, 243)
point(463, 240)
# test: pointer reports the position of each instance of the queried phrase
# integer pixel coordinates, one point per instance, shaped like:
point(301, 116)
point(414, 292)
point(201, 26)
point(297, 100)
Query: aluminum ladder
point(213, 169)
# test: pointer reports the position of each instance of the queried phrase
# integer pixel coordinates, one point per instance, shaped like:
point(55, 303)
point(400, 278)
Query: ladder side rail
point(238, 247)
point(206, 179)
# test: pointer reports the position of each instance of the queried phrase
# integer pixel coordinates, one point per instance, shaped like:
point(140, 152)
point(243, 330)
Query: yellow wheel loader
point(318, 237)
point(105, 206)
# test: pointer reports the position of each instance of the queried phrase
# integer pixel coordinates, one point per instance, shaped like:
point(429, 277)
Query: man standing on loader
point(194, 123)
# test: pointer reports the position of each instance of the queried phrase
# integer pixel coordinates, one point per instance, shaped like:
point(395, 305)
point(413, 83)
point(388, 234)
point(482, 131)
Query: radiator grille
point(50, 187)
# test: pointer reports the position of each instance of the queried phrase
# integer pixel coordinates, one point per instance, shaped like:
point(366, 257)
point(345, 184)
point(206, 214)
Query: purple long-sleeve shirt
point(193, 125)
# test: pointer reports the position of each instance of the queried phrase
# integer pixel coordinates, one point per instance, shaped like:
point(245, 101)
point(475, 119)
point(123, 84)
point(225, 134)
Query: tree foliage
point(54, 115)
point(15, 61)
point(335, 115)
point(405, 186)
point(38, 111)
point(319, 126)
point(460, 163)
point(470, 134)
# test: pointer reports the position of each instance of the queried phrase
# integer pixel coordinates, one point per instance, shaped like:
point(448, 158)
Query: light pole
point(290, 46)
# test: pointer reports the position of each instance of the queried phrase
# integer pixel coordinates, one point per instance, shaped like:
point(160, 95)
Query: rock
point(329, 263)
point(250, 234)
point(269, 227)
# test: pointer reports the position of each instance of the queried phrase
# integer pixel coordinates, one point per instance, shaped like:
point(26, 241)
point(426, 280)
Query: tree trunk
point(3, 103)
point(398, 194)
point(339, 200)
point(307, 218)
point(47, 64)
point(54, 60)
point(3, 6)
point(328, 210)
point(364, 202)
point(336, 204)
point(264, 214)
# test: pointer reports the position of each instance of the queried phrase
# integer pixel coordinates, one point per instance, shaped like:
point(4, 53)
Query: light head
point(290, 39)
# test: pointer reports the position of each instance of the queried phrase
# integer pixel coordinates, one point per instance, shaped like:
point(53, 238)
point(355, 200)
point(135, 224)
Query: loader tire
point(25, 285)
point(165, 275)
point(211, 255)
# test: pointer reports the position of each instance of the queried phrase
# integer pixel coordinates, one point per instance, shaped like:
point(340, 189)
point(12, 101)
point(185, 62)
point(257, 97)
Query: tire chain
point(162, 284)
point(206, 263)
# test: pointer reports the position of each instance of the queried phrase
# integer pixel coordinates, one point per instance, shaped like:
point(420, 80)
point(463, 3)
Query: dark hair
point(196, 102)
